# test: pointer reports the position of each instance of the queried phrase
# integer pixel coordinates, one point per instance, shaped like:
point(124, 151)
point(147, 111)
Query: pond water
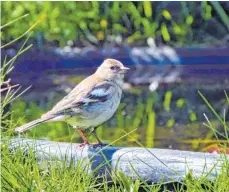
point(169, 117)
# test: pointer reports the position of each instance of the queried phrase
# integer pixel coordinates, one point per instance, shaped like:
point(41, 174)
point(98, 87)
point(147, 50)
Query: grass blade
point(11, 22)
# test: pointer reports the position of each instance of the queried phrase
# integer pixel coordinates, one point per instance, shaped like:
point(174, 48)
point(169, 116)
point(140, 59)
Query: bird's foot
point(84, 144)
point(94, 145)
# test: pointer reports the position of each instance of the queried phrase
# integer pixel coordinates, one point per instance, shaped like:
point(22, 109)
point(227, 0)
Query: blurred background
point(174, 49)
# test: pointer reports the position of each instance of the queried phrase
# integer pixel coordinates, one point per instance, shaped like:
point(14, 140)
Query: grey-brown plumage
point(91, 102)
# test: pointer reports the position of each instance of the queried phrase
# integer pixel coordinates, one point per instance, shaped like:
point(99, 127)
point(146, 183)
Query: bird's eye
point(114, 67)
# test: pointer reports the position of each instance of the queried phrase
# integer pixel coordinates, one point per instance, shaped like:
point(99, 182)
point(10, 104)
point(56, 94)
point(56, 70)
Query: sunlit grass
point(22, 173)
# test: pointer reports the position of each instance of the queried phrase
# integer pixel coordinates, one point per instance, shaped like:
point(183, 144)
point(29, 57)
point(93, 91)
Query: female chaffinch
point(92, 102)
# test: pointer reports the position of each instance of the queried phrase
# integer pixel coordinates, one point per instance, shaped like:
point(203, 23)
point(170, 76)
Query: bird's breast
point(98, 113)
point(108, 108)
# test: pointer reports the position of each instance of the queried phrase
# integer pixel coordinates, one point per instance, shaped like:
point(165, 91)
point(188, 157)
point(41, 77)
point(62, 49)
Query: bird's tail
point(30, 125)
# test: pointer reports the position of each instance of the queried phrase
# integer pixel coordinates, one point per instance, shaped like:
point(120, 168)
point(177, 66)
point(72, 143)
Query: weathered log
point(152, 165)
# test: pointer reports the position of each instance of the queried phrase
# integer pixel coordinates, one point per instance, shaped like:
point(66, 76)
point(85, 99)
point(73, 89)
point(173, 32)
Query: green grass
point(22, 172)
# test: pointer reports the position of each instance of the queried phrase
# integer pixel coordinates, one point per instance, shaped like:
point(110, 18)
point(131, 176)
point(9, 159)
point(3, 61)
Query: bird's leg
point(100, 143)
point(86, 142)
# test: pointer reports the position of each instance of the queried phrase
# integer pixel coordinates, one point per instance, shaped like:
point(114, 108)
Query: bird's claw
point(98, 145)
point(94, 145)
point(83, 145)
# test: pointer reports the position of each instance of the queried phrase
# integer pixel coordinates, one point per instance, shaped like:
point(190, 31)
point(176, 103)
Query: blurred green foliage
point(167, 100)
point(180, 102)
point(96, 22)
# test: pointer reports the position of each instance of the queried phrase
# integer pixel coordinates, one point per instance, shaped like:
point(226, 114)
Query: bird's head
point(112, 69)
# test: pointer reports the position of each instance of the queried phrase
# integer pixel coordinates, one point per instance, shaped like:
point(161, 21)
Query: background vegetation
point(176, 23)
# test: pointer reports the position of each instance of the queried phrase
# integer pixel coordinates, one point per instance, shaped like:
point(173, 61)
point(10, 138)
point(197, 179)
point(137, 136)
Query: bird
point(92, 102)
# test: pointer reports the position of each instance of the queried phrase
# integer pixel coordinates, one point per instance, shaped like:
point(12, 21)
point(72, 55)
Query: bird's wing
point(82, 96)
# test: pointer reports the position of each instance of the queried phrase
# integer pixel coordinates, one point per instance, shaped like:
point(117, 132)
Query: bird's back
point(75, 95)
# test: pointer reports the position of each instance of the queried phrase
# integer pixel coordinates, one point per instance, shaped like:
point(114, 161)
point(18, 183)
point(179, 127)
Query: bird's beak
point(125, 69)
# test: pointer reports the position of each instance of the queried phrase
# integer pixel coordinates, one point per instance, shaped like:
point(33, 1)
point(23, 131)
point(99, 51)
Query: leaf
point(166, 15)
point(170, 122)
point(146, 25)
point(189, 20)
point(180, 103)
point(192, 116)
point(55, 13)
point(165, 32)
point(167, 100)
point(18, 11)
point(147, 8)
point(103, 23)
point(83, 25)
